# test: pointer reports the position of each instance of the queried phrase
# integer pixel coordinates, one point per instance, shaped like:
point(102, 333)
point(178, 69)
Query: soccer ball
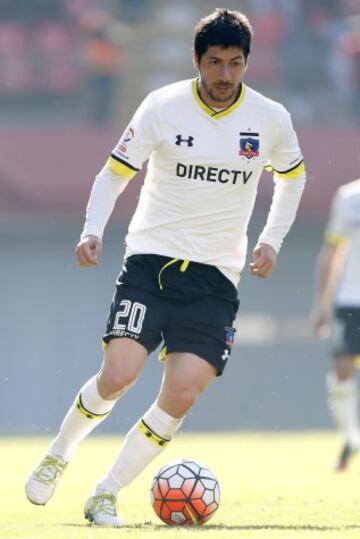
point(185, 493)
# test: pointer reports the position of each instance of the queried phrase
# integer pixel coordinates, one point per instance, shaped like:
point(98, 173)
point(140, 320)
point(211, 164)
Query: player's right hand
point(88, 251)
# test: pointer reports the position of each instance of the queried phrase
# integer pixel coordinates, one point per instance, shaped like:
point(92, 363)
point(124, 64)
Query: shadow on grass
point(162, 527)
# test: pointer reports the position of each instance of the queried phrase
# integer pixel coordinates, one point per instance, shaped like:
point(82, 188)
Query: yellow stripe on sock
point(87, 413)
point(146, 431)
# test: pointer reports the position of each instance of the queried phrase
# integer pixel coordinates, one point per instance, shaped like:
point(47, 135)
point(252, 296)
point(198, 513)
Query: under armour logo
point(225, 355)
point(188, 140)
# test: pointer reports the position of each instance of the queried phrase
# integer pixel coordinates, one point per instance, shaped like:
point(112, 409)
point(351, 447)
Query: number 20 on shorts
point(133, 312)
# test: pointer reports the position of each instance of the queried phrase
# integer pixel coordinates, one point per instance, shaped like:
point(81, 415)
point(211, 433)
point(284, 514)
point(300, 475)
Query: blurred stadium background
point(72, 73)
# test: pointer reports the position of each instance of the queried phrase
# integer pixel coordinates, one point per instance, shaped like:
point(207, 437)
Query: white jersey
point(203, 173)
point(344, 225)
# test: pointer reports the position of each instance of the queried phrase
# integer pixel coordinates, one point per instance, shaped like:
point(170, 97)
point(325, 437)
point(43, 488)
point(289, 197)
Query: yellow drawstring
point(183, 267)
point(173, 261)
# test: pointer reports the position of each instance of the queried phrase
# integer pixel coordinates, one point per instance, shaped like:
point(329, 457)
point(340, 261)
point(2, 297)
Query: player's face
point(221, 73)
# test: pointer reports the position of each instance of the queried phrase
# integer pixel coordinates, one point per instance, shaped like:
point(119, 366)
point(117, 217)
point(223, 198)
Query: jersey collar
point(209, 110)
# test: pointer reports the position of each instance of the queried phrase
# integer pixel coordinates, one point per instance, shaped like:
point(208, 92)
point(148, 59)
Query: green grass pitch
point(272, 486)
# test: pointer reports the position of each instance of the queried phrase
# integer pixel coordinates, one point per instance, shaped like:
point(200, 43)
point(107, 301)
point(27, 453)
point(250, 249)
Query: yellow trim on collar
point(209, 110)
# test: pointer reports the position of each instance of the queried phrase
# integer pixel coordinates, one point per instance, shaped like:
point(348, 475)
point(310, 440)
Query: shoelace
point(106, 504)
point(50, 471)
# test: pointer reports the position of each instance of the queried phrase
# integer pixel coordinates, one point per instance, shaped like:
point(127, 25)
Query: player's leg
point(123, 361)
point(197, 325)
point(133, 330)
point(185, 378)
point(341, 382)
point(343, 404)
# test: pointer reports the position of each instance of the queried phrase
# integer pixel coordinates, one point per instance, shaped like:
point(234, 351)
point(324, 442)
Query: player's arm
point(127, 158)
point(108, 185)
point(289, 180)
point(329, 266)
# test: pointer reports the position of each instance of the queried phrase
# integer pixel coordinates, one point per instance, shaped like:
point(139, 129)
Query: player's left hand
point(264, 257)
point(320, 318)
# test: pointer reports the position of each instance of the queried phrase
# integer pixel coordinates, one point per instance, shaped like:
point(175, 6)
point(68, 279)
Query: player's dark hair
point(223, 28)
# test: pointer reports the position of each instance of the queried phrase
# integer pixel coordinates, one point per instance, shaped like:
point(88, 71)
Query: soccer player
point(208, 141)
point(338, 282)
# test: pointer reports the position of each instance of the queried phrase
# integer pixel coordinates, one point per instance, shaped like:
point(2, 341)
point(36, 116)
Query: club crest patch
point(229, 336)
point(249, 145)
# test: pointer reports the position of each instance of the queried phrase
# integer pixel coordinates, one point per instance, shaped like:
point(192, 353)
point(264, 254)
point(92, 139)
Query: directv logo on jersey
point(249, 146)
point(212, 174)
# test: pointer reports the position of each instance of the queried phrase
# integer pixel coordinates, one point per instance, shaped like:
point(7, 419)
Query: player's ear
point(196, 61)
point(246, 64)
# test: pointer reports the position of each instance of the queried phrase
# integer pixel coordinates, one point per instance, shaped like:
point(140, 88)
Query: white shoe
point(101, 510)
point(43, 480)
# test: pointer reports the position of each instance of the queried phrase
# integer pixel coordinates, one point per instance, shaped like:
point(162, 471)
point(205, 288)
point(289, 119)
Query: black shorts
point(346, 331)
point(188, 307)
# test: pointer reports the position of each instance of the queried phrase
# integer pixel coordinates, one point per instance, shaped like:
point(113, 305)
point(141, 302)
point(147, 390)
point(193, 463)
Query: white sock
point(343, 404)
point(147, 439)
point(87, 412)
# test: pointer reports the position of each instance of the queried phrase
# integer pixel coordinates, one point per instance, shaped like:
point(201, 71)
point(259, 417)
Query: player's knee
point(120, 369)
point(343, 367)
point(185, 398)
point(113, 382)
